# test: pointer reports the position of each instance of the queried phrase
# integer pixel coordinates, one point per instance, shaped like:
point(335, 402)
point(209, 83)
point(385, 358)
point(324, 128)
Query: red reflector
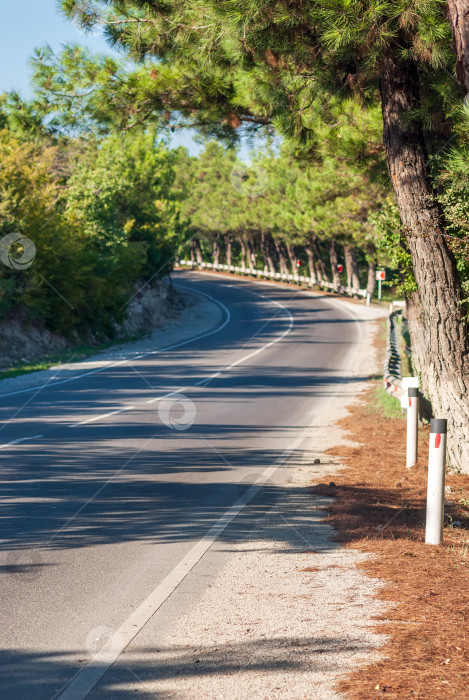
point(437, 440)
point(410, 401)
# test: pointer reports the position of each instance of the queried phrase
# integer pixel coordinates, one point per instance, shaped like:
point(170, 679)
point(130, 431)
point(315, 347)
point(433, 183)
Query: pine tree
point(234, 66)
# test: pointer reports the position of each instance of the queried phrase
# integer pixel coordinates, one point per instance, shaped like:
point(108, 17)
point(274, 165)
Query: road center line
point(206, 380)
point(103, 415)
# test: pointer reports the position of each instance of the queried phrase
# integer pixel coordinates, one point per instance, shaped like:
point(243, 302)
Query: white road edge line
point(89, 676)
point(17, 442)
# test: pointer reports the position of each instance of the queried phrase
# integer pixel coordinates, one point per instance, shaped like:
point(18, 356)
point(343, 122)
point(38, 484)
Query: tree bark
point(320, 264)
point(309, 248)
point(242, 243)
point(293, 258)
point(348, 264)
point(355, 276)
point(216, 250)
point(252, 254)
point(198, 251)
point(228, 253)
point(371, 284)
point(334, 262)
point(282, 256)
point(268, 252)
point(459, 20)
point(192, 252)
point(444, 367)
point(271, 254)
point(264, 251)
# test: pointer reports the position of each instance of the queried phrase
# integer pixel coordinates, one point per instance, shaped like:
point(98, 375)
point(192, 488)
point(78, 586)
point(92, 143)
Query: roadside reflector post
point(412, 427)
point(436, 481)
point(380, 277)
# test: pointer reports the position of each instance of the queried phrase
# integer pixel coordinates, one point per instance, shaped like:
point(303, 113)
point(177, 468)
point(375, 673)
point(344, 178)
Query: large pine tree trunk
point(192, 252)
point(439, 309)
point(272, 254)
point(459, 19)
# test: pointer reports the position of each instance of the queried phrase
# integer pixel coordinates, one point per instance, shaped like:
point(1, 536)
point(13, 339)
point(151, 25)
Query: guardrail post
point(436, 482)
point(412, 426)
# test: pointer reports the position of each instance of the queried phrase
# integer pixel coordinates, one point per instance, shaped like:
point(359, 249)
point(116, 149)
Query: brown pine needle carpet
point(379, 508)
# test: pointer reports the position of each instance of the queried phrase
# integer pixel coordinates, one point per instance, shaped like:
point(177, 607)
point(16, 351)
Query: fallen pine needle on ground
point(379, 508)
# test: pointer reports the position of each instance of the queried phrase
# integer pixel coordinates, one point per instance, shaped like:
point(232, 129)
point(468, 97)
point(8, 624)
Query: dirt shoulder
point(379, 510)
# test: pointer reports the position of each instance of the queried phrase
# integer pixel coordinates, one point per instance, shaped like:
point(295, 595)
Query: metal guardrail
point(276, 276)
point(392, 365)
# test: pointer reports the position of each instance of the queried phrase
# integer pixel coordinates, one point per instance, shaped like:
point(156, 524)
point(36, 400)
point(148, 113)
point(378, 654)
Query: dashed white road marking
point(17, 442)
point(103, 415)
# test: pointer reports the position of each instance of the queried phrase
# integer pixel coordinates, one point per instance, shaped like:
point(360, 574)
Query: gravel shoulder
point(277, 621)
point(198, 316)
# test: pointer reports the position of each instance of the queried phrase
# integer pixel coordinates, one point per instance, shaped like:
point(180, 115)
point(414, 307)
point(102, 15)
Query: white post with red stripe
point(436, 481)
point(412, 426)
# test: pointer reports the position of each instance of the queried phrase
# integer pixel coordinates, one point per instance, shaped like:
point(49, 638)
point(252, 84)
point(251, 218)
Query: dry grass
point(379, 508)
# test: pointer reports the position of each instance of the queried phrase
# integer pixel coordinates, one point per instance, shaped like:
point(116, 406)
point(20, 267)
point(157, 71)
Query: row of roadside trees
point(274, 213)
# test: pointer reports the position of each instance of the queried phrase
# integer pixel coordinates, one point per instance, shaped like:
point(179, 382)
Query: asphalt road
point(111, 485)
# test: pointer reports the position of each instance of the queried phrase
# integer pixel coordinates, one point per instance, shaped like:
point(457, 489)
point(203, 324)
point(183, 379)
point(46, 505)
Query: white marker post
point(412, 427)
point(407, 382)
point(436, 481)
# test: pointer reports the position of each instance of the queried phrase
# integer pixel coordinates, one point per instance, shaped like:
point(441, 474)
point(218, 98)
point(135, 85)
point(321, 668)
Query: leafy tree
point(121, 195)
point(210, 200)
point(30, 205)
point(100, 215)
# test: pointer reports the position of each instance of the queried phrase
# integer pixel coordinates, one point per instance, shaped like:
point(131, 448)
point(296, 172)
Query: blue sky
point(27, 24)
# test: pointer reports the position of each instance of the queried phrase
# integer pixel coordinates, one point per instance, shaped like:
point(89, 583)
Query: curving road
point(116, 484)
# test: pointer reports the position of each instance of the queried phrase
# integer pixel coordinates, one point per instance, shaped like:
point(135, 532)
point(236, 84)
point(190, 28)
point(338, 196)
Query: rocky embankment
point(24, 341)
